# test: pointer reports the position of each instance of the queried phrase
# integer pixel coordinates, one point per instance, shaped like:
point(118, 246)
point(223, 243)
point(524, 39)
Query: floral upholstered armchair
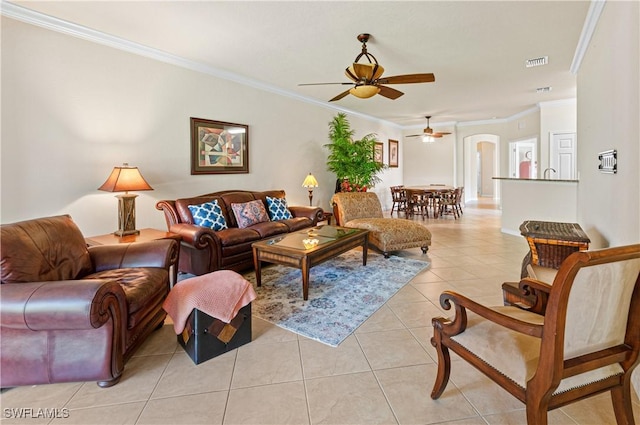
point(362, 210)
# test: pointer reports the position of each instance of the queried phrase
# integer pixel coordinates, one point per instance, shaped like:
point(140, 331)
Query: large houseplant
point(352, 161)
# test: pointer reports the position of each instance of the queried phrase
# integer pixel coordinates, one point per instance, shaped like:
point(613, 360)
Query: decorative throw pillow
point(249, 213)
point(278, 209)
point(208, 215)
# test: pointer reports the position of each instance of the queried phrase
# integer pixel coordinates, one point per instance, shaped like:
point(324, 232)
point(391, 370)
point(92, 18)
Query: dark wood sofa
point(204, 250)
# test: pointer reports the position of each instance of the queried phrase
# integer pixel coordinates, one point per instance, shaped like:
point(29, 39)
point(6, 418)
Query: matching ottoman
point(211, 313)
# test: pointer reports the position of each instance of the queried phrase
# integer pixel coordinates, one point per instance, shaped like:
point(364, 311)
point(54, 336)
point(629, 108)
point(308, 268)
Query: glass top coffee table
point(307, 248)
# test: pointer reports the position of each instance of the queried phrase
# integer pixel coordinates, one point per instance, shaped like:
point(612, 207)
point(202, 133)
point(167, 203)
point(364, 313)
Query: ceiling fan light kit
point(367, 78)
point(428, 135)
point(364, 91)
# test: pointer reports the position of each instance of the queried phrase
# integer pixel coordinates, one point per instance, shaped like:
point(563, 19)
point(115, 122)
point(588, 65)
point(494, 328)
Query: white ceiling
point(476, 49)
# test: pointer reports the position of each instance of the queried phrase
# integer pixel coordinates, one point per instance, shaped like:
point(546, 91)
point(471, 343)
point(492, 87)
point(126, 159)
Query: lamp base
point(310, 197)
point(126, 215)
point(126, 232)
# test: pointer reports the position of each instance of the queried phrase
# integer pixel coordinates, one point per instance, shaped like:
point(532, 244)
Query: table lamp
point(310, 182)
point(124, 179)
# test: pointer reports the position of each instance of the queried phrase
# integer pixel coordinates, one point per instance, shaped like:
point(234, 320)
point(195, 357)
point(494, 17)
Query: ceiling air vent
point(543, 60)
point(543, 89)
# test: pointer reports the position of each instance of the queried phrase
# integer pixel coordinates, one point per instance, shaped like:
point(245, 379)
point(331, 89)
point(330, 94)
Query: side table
point(550, 243)
point(145, 235)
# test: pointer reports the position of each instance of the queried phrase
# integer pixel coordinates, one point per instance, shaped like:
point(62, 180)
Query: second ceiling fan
point(428, 135)
point(367, 80)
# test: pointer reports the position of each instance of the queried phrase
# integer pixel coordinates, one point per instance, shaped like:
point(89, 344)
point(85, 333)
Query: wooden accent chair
point(586, 342)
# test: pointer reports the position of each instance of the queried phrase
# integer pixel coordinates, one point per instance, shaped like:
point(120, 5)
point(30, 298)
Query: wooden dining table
point(427, 197)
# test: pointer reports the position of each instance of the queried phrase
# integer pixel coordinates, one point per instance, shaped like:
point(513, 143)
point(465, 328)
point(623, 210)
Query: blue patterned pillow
point(208, 215)
point(278, 209)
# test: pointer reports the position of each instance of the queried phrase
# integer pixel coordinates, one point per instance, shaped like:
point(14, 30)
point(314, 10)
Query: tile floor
point(383, 373)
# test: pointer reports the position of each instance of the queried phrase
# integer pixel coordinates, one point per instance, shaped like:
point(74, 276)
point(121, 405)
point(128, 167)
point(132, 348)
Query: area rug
point(342, 294)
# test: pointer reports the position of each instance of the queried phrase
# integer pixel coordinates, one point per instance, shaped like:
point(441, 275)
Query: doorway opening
point(481, 164)
point(523, 159)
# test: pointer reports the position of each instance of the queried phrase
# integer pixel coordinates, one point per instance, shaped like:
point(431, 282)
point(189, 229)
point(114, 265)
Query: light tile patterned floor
point(383, 373)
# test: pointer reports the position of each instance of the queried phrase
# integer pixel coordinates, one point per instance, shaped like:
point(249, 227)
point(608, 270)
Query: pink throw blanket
point(219, 294)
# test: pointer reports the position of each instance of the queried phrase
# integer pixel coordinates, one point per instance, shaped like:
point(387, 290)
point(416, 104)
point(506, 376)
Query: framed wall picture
point(219, 147)
point(378, 152)
point(393, 153)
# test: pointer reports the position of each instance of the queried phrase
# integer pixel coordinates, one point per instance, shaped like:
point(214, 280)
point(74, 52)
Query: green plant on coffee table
point(352, 161)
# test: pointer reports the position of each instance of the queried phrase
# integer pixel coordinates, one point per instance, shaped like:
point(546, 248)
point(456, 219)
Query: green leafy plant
point(352, 161)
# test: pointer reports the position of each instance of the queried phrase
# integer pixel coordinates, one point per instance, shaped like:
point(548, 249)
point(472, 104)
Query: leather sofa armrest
point(168, 207)
point(314, 214)
point(61, 305)
point(197, 236)
point(159, 253)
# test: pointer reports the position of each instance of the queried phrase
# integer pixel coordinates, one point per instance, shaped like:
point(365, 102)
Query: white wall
point(77, 109)
point(608, 111)
point(428, 163)
point(537, 200)
point(555, 117)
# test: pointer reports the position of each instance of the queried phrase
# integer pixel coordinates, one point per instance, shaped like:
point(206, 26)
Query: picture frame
point(378, 152)
point(393, 153)
point(219, 147)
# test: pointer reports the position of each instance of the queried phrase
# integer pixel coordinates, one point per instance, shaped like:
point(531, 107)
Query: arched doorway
point(481, 163)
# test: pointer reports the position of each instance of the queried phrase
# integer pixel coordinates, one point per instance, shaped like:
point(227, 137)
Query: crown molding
point(590, 23)
point(32, 17)
point(560, 102)
point(42, 20)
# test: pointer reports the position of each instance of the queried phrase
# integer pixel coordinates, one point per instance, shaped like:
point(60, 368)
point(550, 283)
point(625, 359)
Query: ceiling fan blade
point(389, 93)
point(340, 96)
point(415, 135)
point(324, 84)
point(408, 79)
point(439, 134)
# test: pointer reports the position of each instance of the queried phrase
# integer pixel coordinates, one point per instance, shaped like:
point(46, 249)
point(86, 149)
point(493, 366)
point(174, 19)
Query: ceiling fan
point(367, 78)
point(428, 135)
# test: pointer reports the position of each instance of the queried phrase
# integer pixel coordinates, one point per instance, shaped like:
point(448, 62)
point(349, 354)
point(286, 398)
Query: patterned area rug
point(342, 294)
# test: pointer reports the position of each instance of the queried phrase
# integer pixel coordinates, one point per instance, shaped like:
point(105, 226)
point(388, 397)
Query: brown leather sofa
point(75, 313)
point(204, 250)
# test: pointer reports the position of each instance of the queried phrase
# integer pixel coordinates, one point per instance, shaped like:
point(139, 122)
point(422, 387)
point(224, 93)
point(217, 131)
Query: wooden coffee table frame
point(304, 259)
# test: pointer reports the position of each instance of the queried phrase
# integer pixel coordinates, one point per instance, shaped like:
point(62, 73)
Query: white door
point(562, 156)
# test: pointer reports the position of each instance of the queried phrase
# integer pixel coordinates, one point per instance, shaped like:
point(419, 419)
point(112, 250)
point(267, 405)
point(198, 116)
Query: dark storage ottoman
point(204, 337)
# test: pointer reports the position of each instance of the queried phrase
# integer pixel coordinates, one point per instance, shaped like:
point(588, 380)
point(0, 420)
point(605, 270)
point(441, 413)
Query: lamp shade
point(364, 91)
point(124, 179)
point(310, 181)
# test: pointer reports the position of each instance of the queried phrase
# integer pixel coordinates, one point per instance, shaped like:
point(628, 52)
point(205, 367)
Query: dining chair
point(448, 203)
point(460, 200)
point(399, 198)
point(417, 202)
point(586, 342)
